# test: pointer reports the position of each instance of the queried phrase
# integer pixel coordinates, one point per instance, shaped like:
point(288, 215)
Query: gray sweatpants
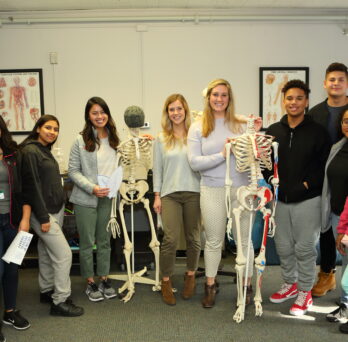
point(296, 236)
point(55, 258)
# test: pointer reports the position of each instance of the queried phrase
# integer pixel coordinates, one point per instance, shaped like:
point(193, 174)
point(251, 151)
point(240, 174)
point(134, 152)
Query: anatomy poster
point(272, 81)
point(21, 98)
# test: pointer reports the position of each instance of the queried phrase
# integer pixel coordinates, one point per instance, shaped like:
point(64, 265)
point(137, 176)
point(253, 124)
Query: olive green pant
point(91, 225)
point(179, 209)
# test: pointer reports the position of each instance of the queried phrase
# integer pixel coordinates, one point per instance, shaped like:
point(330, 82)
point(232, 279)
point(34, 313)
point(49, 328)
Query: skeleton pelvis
point(247, 197)
point(135, 190)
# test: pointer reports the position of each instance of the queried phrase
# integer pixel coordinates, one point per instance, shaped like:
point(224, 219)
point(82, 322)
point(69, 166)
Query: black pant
point(327, 251)
point(8, 272)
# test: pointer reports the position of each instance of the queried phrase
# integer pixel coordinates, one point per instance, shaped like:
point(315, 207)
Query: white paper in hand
point(115, 181)
point(16, 251)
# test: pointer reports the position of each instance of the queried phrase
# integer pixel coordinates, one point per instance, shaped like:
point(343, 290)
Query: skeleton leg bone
point(260, 263)
point(154, 244)
point(240, 267)
point(127, 251)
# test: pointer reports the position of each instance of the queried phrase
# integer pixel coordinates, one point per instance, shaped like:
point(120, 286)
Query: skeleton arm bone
point(113, 224)
point(275, 183)
point(228, 186)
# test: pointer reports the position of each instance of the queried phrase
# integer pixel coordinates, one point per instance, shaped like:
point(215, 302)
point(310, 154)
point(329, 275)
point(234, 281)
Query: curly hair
point(296, 84)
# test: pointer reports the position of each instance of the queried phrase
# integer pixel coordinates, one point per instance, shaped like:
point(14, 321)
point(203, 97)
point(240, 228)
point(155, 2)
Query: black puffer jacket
point(302, 151)
point(41, 180)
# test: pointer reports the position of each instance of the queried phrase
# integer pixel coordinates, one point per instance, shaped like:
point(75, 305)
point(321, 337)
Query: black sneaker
point(15, 319)
point(338, 315)
point(343, 328)
point(66, 309)
point(46, 297)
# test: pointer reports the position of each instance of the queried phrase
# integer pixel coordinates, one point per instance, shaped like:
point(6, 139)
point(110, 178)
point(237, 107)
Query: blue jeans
point(334, 222)
point(8, 272)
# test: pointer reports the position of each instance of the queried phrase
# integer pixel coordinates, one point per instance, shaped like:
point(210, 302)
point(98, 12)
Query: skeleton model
point(253, 153)
point(134, 156)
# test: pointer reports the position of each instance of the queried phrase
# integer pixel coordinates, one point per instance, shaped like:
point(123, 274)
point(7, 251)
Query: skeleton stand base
point(136, 277)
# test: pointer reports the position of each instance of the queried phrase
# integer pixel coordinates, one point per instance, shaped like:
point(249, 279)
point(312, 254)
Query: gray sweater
point(171, 169)
point(326, 194)
point(205, 155)
point(83, 171)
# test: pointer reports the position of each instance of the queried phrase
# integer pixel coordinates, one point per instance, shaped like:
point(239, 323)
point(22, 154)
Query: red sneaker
point(286, 292)
point(303, 302)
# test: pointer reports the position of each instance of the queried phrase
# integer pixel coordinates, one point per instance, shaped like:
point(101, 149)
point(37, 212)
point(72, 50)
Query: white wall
point(127, 67)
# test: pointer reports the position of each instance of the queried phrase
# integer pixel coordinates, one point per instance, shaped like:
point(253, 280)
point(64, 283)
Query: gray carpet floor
point(147, 319)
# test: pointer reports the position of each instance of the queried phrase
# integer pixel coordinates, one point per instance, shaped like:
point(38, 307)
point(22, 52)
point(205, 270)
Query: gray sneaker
point(106, 289)
point(339, 315)
point(93, 293)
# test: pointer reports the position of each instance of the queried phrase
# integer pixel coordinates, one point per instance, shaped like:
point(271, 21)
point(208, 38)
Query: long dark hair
point(7, 144)
point(34, 135)
point(88, 135)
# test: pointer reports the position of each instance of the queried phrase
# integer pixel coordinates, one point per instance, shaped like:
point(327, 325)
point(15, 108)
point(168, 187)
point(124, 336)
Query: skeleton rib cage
point(251, 149)
point(135, 158)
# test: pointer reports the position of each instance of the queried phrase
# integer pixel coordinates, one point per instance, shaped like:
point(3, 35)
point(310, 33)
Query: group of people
point(31, 195)
point(313, 190)
point(189, 186)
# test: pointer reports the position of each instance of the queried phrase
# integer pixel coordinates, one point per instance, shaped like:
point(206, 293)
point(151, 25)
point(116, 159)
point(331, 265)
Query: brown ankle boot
point(209, 297)
point(326, 282)
point(167, 293)
point(189, 286)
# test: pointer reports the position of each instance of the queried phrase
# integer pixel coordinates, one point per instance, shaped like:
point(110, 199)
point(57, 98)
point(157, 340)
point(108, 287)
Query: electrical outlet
point(53, 57)
point(146, 125)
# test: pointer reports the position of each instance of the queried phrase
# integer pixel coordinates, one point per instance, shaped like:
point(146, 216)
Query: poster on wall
point(272, 81)
point(21, 98)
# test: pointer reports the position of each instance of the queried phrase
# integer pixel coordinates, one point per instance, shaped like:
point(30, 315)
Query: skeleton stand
point(134, 157)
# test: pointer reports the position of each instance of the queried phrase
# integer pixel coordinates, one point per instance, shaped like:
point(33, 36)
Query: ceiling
point(60, 5)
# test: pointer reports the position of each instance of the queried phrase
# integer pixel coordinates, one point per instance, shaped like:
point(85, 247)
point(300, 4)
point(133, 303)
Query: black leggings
point(8, 272)
point(327, 251)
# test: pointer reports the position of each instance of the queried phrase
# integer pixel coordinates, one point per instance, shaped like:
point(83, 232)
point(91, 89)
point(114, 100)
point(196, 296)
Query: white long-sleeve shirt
point(205, 155)
point(171, 169)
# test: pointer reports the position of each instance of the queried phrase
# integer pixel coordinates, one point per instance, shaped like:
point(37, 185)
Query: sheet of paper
point(115, 181)
point(16, 251)
point(103, 181)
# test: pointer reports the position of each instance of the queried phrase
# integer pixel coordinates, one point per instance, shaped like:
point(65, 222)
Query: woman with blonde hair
point(206, 151)
point(176, 189)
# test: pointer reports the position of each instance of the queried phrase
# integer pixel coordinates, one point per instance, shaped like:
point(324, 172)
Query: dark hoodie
point(41, 180)
point(302, 152)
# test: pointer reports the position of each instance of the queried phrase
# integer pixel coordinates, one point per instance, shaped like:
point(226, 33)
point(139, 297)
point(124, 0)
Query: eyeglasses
point(344, 122)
